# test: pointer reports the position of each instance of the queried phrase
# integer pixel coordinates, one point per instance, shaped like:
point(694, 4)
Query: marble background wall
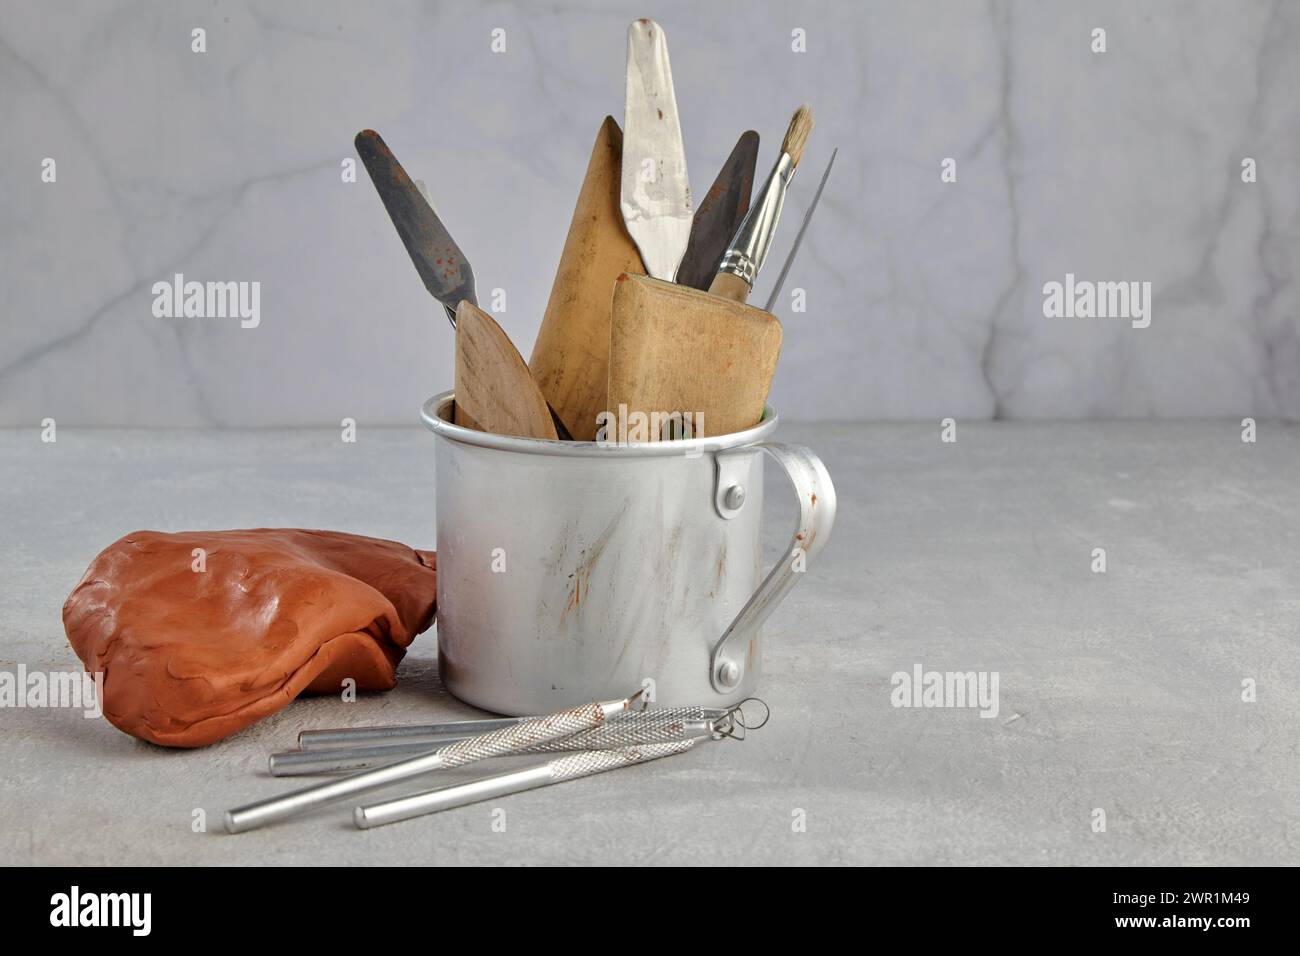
point(924, 298)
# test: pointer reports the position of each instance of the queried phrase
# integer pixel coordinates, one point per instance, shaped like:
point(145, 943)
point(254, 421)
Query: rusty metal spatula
point(439, 261)
point(719, 214)
point(656, 194)
point(442, 266)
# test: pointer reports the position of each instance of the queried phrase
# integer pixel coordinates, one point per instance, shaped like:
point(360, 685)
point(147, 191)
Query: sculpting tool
point(459, 729)
point(656, 194)
point(570, 359)
point(494, 391)
point(644, 727)
point(445, 271)
point(508, 740)
point(719, 214)
point(584, 764)
point(443, 268)
point(673, 347)
point(798, 239)
point(398, 733)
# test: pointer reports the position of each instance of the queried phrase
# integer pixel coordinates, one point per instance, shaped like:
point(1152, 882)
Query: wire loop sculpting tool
point(496, 743)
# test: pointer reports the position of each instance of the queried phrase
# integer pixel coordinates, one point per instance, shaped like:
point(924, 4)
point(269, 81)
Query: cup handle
point(816, 495)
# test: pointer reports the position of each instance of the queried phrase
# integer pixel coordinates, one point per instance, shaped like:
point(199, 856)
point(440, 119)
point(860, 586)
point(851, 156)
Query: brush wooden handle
point(729, 286)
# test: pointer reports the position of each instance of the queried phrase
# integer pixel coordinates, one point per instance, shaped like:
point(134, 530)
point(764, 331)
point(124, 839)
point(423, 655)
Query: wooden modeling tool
point(570, 360)
point(675, 349)
point(494, 390)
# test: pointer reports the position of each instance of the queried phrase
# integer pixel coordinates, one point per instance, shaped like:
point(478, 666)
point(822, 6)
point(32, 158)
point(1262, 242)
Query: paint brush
point(745, 255)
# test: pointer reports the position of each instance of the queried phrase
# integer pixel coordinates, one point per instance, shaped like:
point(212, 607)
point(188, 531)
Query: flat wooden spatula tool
point(678, 350)
point(570, 359)
point(798, 238)
point(494, 390)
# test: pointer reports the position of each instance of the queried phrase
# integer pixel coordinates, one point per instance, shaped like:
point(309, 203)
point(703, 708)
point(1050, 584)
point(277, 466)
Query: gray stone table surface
point(1119, 691)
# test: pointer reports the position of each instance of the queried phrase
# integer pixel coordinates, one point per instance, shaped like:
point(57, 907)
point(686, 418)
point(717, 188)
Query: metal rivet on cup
point(735, 496)
point(729, 671)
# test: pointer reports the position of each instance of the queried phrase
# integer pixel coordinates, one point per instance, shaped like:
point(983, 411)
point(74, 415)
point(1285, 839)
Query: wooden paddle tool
point(494, 390)
point(678, 350)
point(570, 360)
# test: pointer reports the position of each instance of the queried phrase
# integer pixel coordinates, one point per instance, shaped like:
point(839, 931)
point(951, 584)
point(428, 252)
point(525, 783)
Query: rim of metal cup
point(436, 411)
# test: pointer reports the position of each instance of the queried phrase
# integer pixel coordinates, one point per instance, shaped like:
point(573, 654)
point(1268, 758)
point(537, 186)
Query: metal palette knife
point(442, 266)
point(719, 214)
point(655, 193)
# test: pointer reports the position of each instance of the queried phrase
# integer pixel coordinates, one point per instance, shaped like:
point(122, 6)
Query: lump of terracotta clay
point(195, 645)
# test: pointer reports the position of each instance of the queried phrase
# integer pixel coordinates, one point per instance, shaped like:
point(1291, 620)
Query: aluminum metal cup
point(575, 571)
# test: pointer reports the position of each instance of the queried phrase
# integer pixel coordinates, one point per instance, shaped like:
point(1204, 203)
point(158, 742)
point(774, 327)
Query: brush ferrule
point(745, 256)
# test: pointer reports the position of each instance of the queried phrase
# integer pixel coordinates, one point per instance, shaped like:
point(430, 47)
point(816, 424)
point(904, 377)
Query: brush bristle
point(796, 136)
